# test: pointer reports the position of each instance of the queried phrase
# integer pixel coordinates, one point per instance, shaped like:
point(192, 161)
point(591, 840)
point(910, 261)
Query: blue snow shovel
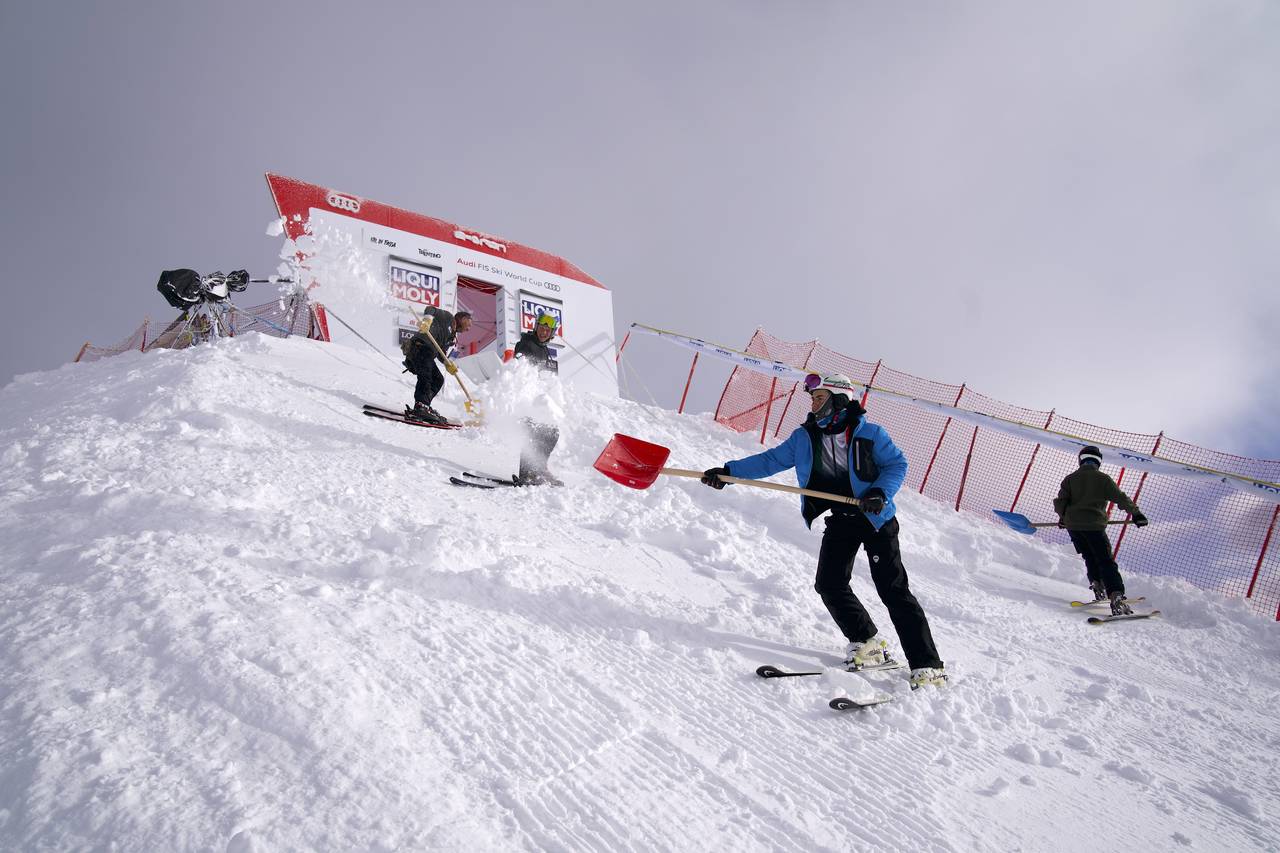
point(1022, 524)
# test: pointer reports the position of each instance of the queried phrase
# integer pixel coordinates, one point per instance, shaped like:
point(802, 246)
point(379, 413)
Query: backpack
point(418, 353)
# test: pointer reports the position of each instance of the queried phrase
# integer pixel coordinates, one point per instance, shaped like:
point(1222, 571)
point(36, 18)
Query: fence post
point(1142, 481)
point(1112, 504)
point(782, 417)
point(773, 387)
point(870, 382)
point(728, 382)
point(1018, 494)
point(687, 382)
point(146, 321)
point(1261, 556)
point(934, 457)
point(626, 338)
point(791, 396)
point(80, 354)
point(965, 475)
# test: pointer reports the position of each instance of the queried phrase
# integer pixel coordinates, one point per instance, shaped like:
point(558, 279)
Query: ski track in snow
point(239, 615)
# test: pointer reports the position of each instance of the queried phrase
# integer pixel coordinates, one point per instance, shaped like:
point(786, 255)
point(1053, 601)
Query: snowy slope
point(239, 615)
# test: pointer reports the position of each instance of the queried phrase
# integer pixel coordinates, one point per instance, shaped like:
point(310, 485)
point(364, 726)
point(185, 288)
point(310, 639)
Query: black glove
point(1139, 520)
point(711, 477)
point(873, 501)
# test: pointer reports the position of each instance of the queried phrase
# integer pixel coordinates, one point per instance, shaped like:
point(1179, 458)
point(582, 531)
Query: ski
point(878, 667)
point(1103, 601)
point(844, 703)
point(1098, 620)
point(399, 417)
point(458, 481)
point(370, 407)
point(489, 478)
point(402, 412)
point(768, 671)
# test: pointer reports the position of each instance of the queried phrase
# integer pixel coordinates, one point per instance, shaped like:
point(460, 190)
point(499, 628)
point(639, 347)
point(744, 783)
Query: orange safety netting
point(1210, 535)
point(291, 316)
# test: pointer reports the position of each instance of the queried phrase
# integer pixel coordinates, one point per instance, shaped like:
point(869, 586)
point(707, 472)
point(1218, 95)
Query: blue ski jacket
point(887, 473)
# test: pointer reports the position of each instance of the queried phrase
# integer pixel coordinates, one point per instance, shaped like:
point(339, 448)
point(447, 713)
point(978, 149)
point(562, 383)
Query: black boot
point(423, 412)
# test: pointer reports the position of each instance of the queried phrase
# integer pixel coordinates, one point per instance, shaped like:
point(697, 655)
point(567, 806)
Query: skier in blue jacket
point(836, 450)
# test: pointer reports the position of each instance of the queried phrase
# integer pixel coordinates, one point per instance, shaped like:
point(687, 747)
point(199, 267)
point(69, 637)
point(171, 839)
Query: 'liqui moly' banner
point(411, 288)
point(532, 307)
point(1069, 443)
point(415, 284)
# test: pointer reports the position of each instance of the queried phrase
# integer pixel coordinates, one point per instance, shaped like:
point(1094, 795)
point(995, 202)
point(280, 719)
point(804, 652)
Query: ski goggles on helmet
point(548, 320)
point(812, 382)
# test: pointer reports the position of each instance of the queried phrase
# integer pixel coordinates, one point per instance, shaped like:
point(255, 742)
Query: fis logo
point(340, 201)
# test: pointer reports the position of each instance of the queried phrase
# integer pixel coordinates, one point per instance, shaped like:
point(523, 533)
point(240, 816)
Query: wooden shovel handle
point(759, 484)
point(1055, 524)
point(449, 363)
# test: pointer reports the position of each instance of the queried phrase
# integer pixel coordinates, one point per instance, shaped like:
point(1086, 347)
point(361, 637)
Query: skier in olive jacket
point(836, 450)
point(1081, 506)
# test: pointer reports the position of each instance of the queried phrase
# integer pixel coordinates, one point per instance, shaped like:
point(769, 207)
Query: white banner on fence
point(743, 359)
point(1133, 459)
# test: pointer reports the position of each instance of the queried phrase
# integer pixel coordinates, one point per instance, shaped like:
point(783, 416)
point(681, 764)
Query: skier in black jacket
point(540, 439)
point(421, 357)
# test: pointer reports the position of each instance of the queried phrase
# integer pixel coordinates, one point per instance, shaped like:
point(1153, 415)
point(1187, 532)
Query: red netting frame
point(1210, 535)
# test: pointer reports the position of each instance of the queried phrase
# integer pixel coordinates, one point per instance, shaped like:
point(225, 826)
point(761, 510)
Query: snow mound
point(239, 615)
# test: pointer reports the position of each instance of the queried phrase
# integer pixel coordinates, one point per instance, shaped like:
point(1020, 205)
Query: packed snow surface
point(238, 615)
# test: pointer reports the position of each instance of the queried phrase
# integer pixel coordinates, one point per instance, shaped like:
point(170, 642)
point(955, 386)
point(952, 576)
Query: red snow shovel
point(636, 463)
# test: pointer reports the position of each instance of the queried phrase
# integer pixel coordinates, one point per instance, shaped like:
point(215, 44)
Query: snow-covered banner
point(1133, 459)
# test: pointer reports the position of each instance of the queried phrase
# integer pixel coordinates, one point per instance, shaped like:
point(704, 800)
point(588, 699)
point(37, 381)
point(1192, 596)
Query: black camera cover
point(182, 288)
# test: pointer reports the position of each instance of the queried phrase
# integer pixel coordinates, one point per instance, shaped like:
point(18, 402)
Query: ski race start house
point(418, 261)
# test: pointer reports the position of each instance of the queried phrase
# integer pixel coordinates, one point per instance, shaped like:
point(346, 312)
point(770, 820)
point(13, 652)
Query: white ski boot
point(926, 675)
point(872, 652)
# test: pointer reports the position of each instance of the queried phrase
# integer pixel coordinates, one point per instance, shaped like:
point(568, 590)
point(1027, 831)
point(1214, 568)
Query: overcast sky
point(1071, 205)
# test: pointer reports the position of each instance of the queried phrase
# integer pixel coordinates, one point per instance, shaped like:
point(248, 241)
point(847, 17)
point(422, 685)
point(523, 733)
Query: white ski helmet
point(836, 383)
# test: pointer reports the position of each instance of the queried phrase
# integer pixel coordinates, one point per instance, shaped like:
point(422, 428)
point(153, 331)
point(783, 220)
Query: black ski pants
point(844, 534)
point(430, 381)
point(1095, 547)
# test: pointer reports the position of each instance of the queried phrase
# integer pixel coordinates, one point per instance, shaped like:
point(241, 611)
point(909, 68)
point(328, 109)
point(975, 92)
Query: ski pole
point(329, 311)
